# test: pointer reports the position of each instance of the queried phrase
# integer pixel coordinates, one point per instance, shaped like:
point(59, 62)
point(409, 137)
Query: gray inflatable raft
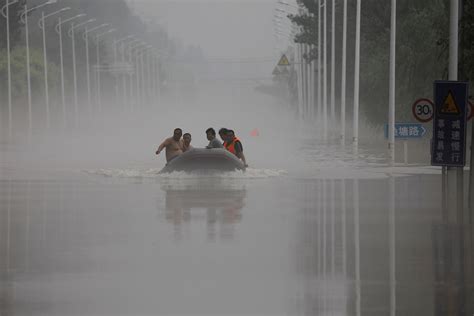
point(202, 159)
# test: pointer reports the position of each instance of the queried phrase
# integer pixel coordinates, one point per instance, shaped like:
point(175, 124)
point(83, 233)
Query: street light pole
point(41, 24)
point(24, 19)
point(154, 75)
point(116, 42)
point(145, 76)
point(74, 72)
point(6, 13)
point(45, 67)
point(71, 34)
point(157, 82)
point(124, 79)
point(28, 74)
point(63, 100)
point(343, 77)
point(59, 30)
point(99, 92)
point(391, 108)
point(319, 62)
point(85, 37)
point(355, 139)
point(300, 81)
point(333, 62)
point(325, 73)
point(455, 177)
point(130, 56)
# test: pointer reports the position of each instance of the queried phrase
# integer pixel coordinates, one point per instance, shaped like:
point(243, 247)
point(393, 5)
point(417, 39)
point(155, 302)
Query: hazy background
point(222, 28)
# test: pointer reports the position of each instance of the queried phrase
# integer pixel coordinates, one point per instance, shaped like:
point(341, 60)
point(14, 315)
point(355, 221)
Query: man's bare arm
point(242, 156)
point(163, 145)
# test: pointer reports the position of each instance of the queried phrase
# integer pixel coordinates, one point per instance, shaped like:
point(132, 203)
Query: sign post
point(407, 131)
point(449, 140)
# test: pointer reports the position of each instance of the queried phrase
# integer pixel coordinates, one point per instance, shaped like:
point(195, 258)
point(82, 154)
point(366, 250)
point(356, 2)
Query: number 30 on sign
point(423, 110)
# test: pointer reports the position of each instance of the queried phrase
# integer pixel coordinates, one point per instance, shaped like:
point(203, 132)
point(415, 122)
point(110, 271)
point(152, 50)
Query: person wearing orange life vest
point(223, 134)
point(234, 146)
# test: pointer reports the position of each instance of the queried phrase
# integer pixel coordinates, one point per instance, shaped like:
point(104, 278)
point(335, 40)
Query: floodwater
point(338, 236)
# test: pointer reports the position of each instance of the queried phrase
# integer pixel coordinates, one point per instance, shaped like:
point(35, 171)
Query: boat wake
point(154, 173)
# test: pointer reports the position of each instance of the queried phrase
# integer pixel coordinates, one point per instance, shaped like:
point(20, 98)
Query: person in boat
point(223, 134)
point(234, 145)
point(213, 141)
point(173, 145)
point(187, 142)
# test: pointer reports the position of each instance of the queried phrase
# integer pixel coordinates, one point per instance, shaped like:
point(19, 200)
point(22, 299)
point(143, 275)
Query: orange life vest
point(231, 146)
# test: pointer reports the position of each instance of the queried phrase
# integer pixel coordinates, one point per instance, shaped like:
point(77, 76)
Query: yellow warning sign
point(284, 61)
point(449, 105)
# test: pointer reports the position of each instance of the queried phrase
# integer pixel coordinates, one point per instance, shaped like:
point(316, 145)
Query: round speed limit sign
point(423, 110)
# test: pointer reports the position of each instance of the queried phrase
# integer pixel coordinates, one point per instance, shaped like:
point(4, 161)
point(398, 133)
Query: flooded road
point(283, 245)
point(89, 227)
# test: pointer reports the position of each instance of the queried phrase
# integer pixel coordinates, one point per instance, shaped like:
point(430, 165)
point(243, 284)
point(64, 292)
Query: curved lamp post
point(59, 30)
point(137, 44)
point(116, 42)
point(24, 20)
point(99, 92)
point(74, 67)
point(46, 87)
point(126, 46)
point(85, 37)
point(6, 14)
point(141, 91)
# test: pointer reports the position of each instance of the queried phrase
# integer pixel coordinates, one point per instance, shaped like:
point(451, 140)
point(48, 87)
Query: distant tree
point(422, 51)
point(18, 67)
point(467, 40)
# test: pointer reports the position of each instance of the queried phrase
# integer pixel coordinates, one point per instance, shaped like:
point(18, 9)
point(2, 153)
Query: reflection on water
point(213, 201)
point(371, 248)
point(360, 247)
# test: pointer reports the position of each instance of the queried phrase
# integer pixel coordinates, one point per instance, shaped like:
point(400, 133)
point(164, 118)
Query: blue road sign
point(449, 124)
point(407, 130)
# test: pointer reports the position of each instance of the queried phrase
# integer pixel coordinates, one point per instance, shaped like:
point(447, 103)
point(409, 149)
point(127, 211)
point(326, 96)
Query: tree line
point(422, 49)
point(116, 13)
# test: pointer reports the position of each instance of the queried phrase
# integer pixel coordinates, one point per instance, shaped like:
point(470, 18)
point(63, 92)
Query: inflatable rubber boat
point(202, 159)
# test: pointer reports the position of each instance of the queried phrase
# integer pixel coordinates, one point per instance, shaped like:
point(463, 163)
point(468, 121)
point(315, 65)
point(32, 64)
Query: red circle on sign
point(417, 116)
point(470, 112)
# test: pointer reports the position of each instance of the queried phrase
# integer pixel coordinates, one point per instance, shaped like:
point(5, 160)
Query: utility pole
point(45, 66)
point(343, 76)
point(455, 181)
point(333, 62)
point(325, 73)
point(355, 139)
point(74, 73)
point(63, 97)
point(6, 13)
point(319, 63)
point(391, 108)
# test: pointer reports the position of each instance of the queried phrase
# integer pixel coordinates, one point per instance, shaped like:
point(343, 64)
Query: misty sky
point(223, 28)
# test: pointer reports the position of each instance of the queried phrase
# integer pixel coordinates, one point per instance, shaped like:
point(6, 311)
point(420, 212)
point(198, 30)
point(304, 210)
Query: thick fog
point(320, 222)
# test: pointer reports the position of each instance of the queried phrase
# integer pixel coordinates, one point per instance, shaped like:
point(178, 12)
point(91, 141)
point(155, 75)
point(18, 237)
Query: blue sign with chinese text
point(407, 130)
point(449, 125)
